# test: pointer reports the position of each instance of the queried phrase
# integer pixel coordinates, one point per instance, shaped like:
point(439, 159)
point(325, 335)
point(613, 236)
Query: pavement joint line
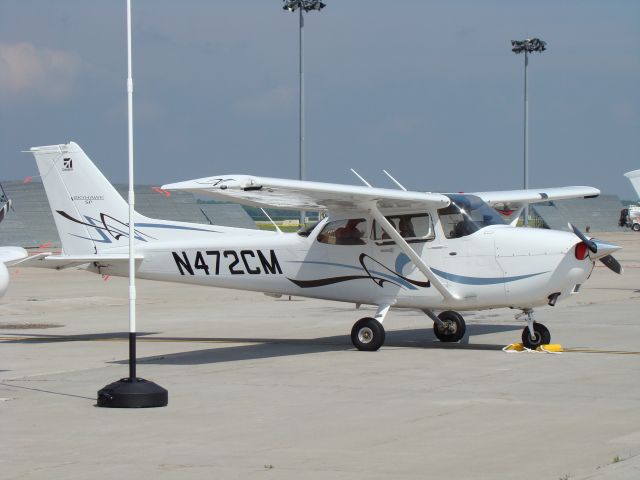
point(267, 340)
point(44, 391)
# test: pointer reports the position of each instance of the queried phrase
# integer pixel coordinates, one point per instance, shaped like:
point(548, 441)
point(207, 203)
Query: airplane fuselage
point(497, 266)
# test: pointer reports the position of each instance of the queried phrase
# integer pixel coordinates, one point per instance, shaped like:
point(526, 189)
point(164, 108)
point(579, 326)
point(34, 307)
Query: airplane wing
point(304, 195)
point(60, 262)
point(517, 198)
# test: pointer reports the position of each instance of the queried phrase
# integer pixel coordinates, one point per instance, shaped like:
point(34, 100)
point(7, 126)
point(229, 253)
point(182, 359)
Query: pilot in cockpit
point(406, 227)
point(349, 234)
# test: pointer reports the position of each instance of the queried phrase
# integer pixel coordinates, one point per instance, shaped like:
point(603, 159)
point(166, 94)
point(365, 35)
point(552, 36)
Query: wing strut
point(415, 258)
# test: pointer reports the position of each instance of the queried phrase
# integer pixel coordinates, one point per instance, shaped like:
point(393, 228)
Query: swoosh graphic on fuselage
point(376, 276)
point(482, 280)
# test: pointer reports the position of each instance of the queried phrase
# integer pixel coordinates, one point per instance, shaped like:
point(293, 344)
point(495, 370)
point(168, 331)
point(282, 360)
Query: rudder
point(89, 213)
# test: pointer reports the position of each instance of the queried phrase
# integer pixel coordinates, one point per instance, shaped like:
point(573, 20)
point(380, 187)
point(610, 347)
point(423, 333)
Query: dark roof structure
point(600, 214)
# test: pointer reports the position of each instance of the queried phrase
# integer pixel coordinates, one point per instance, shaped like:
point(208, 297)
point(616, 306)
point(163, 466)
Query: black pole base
point(133, 393)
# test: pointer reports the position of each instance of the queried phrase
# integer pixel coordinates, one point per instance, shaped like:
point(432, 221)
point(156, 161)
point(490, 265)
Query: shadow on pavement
point(256, 348)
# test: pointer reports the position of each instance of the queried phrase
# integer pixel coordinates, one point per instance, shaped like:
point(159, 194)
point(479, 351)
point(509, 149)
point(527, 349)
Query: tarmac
point(273, 389)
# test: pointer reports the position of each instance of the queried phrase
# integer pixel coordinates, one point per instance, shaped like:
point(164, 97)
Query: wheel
point(635, 227)
point(542, 336)
point(367, 334)
point(453, 327)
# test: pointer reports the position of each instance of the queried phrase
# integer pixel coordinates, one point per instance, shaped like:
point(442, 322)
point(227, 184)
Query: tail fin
point(90, 214)
point(634, 178)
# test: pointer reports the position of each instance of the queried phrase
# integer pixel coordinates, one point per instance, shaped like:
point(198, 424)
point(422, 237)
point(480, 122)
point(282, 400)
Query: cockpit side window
point(454, 223)
point(466, 215)
point(344, 232)
point(415, 227)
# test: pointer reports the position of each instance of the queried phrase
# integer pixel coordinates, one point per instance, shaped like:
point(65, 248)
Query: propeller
point(612, 263)
point(600, 250)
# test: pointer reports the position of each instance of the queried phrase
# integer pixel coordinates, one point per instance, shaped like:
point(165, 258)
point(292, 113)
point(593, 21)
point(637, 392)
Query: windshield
point(467, 214)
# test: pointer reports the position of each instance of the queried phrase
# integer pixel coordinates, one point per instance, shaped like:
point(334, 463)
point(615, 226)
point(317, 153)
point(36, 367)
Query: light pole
point(302, 6)
point(527, 46)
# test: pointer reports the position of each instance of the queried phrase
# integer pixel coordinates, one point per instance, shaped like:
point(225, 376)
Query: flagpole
point(132, 392)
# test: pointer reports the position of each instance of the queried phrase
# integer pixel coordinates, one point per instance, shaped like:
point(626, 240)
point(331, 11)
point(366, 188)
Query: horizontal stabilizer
point(60, 262)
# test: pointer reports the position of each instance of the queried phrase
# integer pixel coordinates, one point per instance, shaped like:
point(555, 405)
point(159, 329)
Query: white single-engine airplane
point(382, 247)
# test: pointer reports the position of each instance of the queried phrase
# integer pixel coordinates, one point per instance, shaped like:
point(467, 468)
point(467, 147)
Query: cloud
point(29, 70)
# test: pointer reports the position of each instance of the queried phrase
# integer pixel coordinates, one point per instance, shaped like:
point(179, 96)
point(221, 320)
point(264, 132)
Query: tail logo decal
point(67, 164)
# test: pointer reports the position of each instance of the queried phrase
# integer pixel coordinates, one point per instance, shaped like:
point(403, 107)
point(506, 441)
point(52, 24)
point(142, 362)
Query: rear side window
point(412, 227)
point(344, 232)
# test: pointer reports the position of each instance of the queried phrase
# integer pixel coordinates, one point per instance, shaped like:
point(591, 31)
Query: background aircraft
point(388, 248)
point(8, 255)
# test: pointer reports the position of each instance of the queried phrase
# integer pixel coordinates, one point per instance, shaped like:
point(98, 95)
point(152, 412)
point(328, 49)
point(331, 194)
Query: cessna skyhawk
point(433, 252)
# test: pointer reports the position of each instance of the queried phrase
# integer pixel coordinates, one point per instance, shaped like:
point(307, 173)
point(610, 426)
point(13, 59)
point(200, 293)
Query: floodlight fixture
point(306, 5)
point(527, 46)
point(302, 6)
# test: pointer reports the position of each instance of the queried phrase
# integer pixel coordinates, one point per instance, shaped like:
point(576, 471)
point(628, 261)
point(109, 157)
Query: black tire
point(542, 336)
point(635, 227)
point(367, 334)
point(453, 329)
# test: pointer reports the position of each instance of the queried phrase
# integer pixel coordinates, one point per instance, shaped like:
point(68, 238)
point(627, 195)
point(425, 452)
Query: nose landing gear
point(534, 334)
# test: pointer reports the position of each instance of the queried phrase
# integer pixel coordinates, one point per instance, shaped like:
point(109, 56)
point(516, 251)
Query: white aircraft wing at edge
point(12, 254)
point(305, 195)
point(634, 178)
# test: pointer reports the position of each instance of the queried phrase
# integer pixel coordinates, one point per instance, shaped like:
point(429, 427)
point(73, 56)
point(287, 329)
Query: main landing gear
point(368, 333)
point(534, 334)
point(449, 326)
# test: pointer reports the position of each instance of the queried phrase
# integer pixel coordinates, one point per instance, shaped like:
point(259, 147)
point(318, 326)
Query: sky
point(428, 90)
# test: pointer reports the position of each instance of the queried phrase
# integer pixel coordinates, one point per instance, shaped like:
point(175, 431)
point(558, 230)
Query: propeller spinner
point(600, 250)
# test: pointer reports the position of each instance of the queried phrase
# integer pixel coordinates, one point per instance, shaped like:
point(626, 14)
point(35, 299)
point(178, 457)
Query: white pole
point(132, 392)
point(132, 246)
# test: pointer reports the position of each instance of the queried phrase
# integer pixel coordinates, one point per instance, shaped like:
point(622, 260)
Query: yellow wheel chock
point(519, 347)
